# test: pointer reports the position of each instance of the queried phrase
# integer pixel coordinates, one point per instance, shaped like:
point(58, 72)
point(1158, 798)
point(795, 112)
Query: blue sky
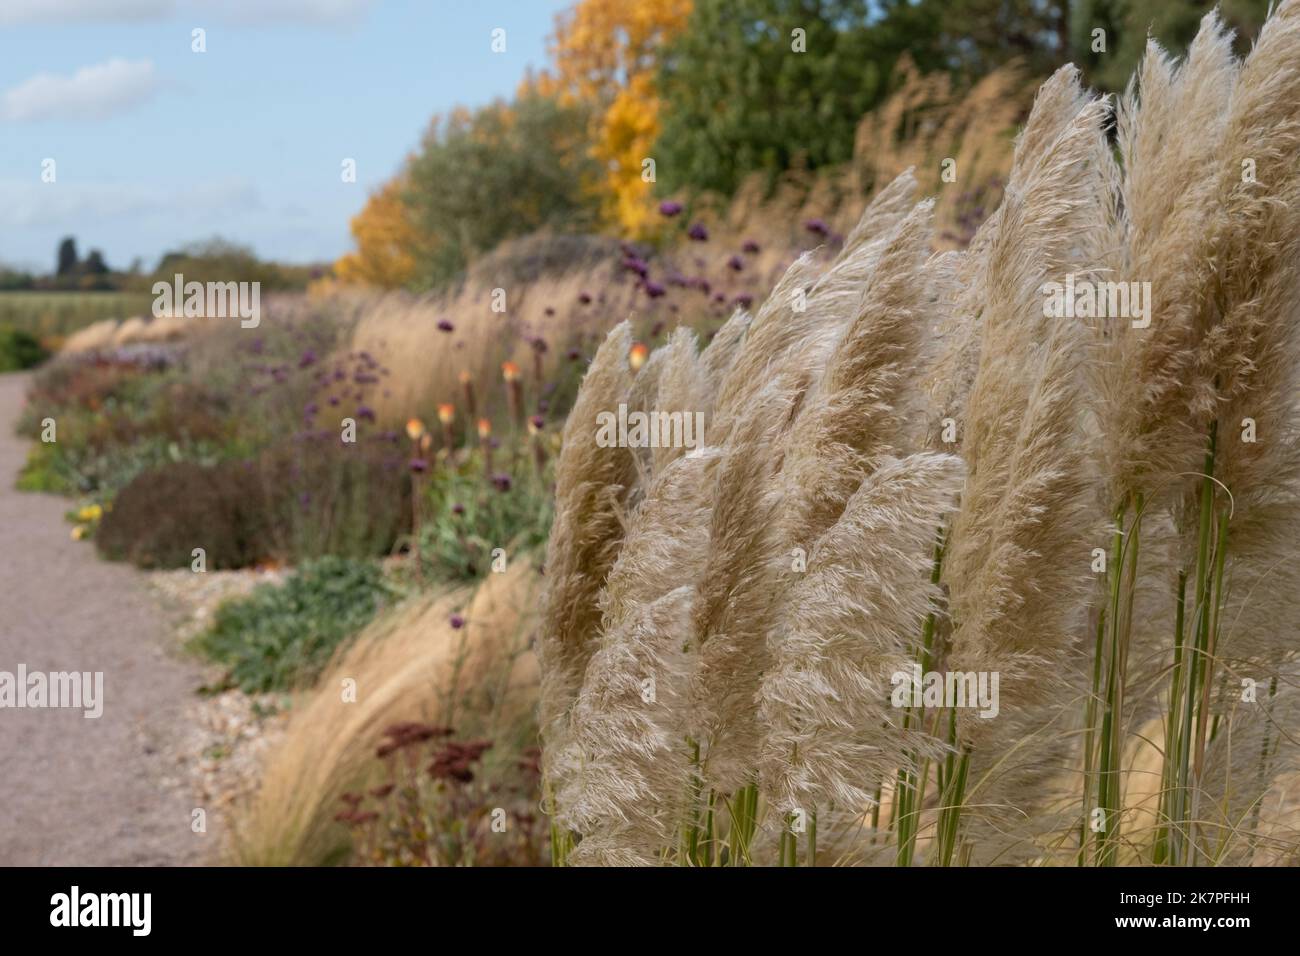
point(156, 146)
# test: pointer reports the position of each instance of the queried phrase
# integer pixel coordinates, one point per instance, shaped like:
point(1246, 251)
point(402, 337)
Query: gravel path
point(77, 791)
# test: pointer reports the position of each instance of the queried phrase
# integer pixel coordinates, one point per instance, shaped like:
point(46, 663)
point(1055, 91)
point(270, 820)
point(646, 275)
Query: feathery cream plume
point(628, 790)
point(799, 322)
point(719, 355)
point(1170, 126)
point(1016, 562)
point(858, 413)
point(1249, 362)
point(846, 423)
point(850, 622)
point(682, 390)
point(591, 485)
point(734, 599)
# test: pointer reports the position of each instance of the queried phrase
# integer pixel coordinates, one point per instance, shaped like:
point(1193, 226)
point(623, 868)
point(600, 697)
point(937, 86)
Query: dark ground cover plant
point(19, 350)
point(443, 802)
point(282, 635)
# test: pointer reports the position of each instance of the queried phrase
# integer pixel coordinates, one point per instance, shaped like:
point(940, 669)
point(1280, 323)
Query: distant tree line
point(209, 260)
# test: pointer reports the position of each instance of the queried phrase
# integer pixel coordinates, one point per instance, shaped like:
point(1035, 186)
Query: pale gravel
point(119, 790)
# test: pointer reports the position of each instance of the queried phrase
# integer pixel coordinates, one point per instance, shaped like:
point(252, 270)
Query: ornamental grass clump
point(966, 531)
point(1202, 410)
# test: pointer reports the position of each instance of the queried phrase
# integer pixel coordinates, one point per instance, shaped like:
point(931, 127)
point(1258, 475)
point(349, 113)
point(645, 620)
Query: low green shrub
point(468, 516)
point(47, 469)
point(19, 350)
point(75, 466)
point(282, 635)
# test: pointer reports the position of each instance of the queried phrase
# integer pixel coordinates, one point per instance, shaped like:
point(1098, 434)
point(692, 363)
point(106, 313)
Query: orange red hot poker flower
point(447, 415)
point(514, 391)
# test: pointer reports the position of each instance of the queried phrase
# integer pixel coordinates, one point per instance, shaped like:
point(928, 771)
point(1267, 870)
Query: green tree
point(11, 279)
point(1127, 25)
point(220, 260)
point(94, 264)
point(67, 257)
point(977, 36)
point(742, 90)
point(501, 171)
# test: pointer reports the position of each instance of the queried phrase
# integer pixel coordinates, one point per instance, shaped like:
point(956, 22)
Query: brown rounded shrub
point(313, 498)
point(165, 513)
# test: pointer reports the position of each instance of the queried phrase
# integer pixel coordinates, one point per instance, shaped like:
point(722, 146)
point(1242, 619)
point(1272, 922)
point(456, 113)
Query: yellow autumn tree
point(386, 240)
point(606, 56)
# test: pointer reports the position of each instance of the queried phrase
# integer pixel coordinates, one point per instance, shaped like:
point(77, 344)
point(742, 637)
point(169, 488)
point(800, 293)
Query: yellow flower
point(636, 358)
point(78, 532)
point(90, 513)
point(414, 429)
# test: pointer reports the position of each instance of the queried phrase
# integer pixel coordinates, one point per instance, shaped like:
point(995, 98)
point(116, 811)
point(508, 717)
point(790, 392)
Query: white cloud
point(243, 12)
point(93, 92)
point(72, 11)
point(303, 12)
point(27, 204)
